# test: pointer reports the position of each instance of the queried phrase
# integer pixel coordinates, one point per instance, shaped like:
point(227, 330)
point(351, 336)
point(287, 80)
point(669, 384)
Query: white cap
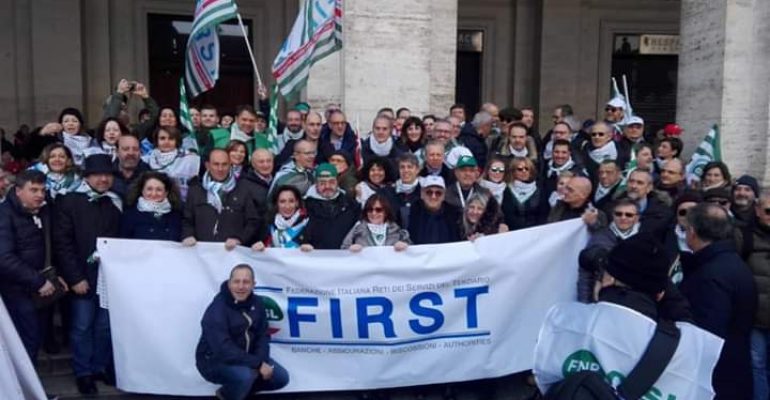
point(455, 154)
point(635, 120)
point(617, 102)
point(432, 180)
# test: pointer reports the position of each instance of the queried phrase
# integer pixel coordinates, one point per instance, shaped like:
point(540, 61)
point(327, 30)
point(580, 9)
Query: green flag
point(710, 149)
point(184, 109)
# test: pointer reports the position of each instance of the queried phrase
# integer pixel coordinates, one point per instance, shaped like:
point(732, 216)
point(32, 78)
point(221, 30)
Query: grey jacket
point(360, 234)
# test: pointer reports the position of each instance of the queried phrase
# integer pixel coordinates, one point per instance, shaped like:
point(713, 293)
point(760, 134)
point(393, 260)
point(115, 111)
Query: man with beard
point(331, 213)
point(129, 166)
point(292, 130)
point(745, 195)
point(655, 216)
point(466, 183)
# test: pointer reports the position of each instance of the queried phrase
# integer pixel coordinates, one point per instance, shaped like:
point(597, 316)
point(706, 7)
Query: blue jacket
point(144, 225)
point(348, 139)
point(723, 298)
point(233, 333)
point(22, 248)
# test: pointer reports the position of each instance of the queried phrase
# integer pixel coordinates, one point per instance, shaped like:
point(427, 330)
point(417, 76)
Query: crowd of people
point(314, 182)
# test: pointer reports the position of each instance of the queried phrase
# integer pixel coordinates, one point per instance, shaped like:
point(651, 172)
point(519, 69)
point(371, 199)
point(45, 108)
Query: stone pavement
point(56, 375)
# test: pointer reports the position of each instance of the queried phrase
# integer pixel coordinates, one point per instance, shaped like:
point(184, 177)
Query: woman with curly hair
point(61, 174)
point(154, 209)
point(289, 220)
point(376, 175)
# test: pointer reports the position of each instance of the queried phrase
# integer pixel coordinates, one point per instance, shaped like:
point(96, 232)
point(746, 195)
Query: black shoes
point(107, 377)
point(87, 386)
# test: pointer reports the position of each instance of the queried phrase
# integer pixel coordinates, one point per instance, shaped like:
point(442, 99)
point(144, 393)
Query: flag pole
point(248, 46)
point(628, 98)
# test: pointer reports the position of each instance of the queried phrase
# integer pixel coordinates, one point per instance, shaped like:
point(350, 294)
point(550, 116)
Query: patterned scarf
point(621, 234)
point(552, 170)
point(407, 188)
point(284, 232)
point(77, 145)
point(602, 191)
point(57, 183)
point(681, 239)
point(157, 208)
point(523, 190)
point(93, 195)
point(497, 189)
point(378, 233)
point(159, 160)
point(606, 152)
point(215, 190)
point(381, 149)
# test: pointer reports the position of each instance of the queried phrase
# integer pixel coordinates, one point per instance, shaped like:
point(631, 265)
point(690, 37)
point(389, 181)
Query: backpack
point(591, 385)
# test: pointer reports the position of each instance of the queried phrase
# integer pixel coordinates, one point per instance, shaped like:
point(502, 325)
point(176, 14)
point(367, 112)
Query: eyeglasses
point(307, 153)
point(376, 210)
point(624, 214)
point(612, 109)
point(522, 169)
point(337, 123)
point(497, 169)
point(598, 134)
point(434, 193)
point(721, 202)
point(682, 212)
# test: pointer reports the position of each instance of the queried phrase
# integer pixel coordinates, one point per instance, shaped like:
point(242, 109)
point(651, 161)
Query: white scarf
point(558, 170)
point(660, 162)
point(237, 134)
point(624, 235)
point(289, 135)
point(57, 183)
point(681, 239)
point(77, 145)
point(159, 160)
point(554, 198)
point(548, 151)
point(215, 190)
point(407, 188)
point(366, 192)
point(381, 149)
point(523, 190)
point(518, 153)
point(379, 232)
point(602, 191)
point(157, 208)
point(606, 152)
point(312, 193)
point(497, 189)
point(110, 149)
point(93, 195)
point(282, 223)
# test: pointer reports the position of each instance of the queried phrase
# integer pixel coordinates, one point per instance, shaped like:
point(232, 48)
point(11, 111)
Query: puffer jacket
point(22, 248)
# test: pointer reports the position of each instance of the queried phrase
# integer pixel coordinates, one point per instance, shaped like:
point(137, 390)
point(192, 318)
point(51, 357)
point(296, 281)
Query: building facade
point(689, 61)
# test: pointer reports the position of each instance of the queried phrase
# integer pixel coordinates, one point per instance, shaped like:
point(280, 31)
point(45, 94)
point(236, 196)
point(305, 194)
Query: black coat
point(258, 190)
point(723, 298)
point(446, 173)
point(395, 152)
point(401, 203)
point(145, 225)
point(22, 248)
point(426, 227)
point(121, 184)
point(330, 221)
point(228, 337)
point(77, 224)
point(475, 143)
point(239, 218)
point(531, 213)
point(657, 218)
point(324, 151)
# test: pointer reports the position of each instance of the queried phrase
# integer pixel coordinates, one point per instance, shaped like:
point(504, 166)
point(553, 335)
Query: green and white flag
point(272, 125)
point(184, 109)
point(317, 32)
point(710, 149)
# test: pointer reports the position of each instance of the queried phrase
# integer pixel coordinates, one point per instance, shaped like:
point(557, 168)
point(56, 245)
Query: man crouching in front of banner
point(627, 345)
point(234, 349)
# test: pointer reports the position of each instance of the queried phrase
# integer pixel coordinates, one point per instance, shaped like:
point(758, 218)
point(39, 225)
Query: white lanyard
point(460, 194)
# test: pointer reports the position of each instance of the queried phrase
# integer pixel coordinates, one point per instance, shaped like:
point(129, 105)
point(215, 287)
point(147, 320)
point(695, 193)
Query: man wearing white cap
point(431, 220)
point(614, 113)
point(633, 134)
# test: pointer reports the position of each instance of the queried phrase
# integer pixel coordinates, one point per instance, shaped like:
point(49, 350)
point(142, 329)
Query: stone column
point(724, 78)
point(398, 53)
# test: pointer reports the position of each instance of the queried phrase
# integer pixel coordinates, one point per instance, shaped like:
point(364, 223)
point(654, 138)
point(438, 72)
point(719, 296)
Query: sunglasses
point(682, 212)
point(598, 134)
point(624, 214)
point(613, 109)
point(522, 169)
point(376, 210)
point(497, 169)
point(434, 193)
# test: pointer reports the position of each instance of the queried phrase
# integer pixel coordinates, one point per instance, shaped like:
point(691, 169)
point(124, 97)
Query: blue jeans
point(90, 337)
point(238, 382)
point(760, 340)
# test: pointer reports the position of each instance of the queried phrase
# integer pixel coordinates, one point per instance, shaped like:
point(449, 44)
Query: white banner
point(18, 379)
point(377, 319)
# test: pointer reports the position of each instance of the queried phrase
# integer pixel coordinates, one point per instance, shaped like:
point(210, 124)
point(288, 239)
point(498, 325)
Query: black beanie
point(640, 263)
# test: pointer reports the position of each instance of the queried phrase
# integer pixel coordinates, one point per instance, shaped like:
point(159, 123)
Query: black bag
point(50, 274)
point(590, 385)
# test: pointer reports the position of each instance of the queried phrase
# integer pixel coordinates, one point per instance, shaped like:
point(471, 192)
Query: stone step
point(54, 364)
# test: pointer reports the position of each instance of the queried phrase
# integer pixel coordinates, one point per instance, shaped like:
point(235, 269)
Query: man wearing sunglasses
point(759, 261)
point(633, 134)
point(432, 220)
point(614, 113)
point(601, 147)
